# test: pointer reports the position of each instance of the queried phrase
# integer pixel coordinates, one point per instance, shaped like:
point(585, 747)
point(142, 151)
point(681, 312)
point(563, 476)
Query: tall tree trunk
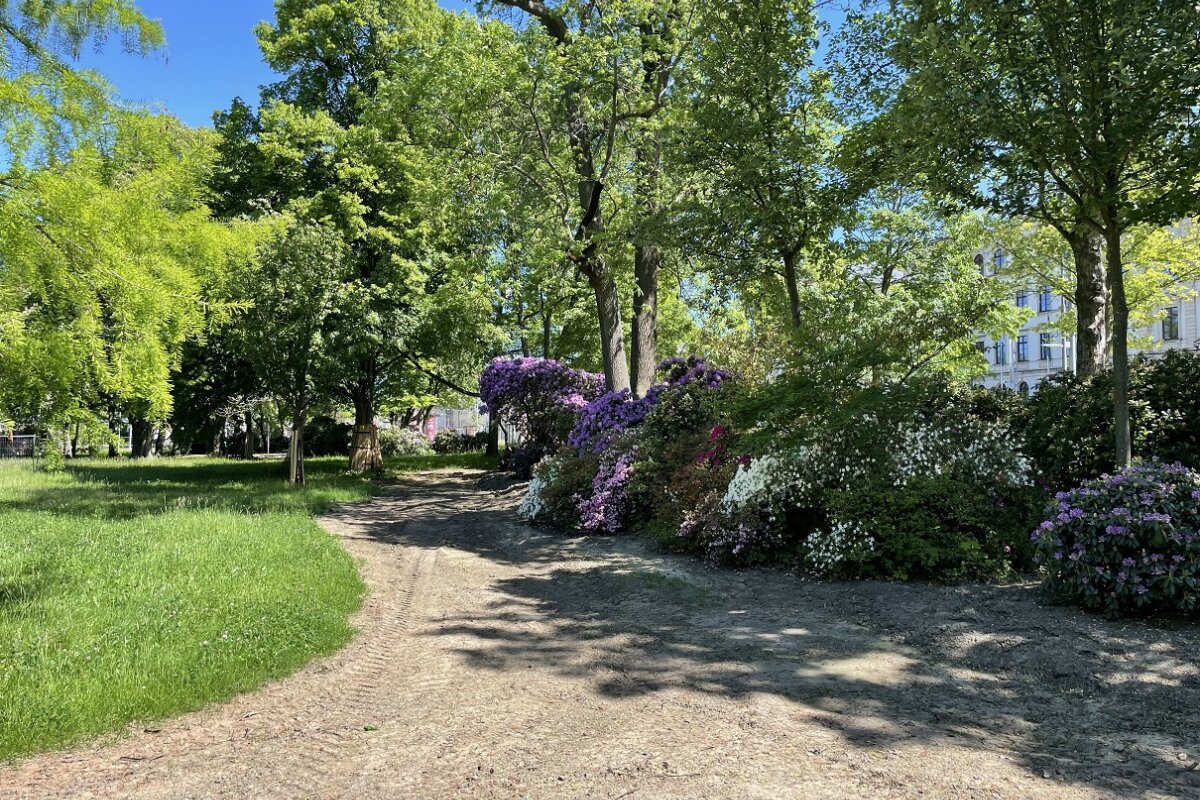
point(296, 446)
point(612, 336)
point(590, 232)
point(1120, 343)
point(644, 356)
point(114, 427)
point(522, 318)
point(365, 455)
point(646, 256)
point(792, 282)
point(1091, 325)
point(248, 437)
point(547, 327)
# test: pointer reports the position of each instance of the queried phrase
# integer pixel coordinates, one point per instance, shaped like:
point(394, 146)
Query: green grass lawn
point(130, 591)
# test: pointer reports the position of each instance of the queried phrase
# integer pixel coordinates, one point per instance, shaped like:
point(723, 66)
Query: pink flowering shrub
point(1126, 542)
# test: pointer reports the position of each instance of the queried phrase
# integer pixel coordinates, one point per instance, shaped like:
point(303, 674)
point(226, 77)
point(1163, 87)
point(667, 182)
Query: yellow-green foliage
point(106, 257)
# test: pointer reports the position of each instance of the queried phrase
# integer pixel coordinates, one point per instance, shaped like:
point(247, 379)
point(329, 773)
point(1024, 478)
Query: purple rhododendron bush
point(926, 482)
point(1126, 542)
point(541, 398)
point(931, 494)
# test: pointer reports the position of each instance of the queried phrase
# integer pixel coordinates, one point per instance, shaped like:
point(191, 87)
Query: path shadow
point(1110, 705)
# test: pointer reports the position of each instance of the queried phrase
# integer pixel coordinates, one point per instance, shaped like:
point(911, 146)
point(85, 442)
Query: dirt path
point(496, 661)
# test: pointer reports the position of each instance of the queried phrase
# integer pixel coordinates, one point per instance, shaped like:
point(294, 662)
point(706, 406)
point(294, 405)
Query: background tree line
point(605, 183)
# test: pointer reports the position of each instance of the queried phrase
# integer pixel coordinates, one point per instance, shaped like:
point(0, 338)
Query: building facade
point(1038, 351)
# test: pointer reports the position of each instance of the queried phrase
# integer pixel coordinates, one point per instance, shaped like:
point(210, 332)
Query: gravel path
point(497, 661)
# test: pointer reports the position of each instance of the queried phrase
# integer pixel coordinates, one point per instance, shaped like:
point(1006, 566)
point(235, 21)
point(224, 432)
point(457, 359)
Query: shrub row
point(925, 480)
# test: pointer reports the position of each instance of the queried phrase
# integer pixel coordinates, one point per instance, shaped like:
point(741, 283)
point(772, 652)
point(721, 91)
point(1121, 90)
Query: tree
point(337, 167)
point(593, 73)
point(106, 254)
point(1077, 113)
point(1159, 265)
point(48, 102)
point(292, 294)
point(760, 139)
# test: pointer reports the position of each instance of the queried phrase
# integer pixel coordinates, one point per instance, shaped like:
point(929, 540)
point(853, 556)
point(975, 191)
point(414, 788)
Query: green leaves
point(107, 254)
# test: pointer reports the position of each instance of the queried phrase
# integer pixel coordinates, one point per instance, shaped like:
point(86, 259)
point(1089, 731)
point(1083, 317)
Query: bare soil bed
point(498, 661)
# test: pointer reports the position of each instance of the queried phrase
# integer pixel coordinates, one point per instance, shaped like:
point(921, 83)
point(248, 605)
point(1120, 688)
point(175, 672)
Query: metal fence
point(18, 446)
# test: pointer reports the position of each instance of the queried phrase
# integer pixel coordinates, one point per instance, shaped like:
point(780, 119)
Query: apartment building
point(1037, 351)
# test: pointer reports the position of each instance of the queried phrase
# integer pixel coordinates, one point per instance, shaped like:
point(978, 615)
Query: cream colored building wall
point(1013, 372)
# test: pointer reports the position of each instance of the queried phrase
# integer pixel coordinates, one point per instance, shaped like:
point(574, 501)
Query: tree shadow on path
point(1107, 705)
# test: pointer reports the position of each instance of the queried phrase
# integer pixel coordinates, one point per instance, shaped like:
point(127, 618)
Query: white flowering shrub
point(830, 549)
point(970, 449)
point(941, 496)
point(544, 474)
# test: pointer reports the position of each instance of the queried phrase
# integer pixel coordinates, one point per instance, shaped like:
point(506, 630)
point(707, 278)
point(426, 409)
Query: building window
point(1170, 325)
point(1046, 299)
point(1001, 352)
point(1047, 353)
point(981, 346)
point(1022, 348)
point(998, 259)
point(1022, 299)
point(1023, 389)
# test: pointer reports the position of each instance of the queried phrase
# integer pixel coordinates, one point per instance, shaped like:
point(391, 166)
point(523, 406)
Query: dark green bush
point(937, 528)
point(325, 436)
point(457, 442)
point(1068, 429)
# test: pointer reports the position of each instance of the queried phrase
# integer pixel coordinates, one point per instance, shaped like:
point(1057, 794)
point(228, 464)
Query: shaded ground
point(496, 661)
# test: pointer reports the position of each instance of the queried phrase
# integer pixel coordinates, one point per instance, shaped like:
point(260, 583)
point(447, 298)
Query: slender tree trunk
point(547, 325)
point(248, 436)
point(647, 258)
point(644, 356)
point(591, 225)
point(1120, 343)
point(365, 455)
point(114, 427)
point(1091, 326)
point(296, 446)
point(522, 319)
point(493, 444)
point(75, 440)
point(792, 282)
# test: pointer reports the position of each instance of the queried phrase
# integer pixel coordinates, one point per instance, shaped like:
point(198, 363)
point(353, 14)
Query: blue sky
point(211, 57)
